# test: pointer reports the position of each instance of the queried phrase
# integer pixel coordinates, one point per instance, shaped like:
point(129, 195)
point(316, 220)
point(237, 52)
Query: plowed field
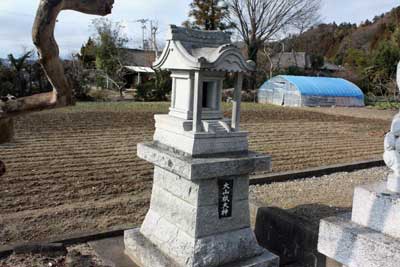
point(75, 170)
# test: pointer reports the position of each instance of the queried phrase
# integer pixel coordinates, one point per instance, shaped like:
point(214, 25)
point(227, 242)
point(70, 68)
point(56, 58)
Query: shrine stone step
point(377, 208)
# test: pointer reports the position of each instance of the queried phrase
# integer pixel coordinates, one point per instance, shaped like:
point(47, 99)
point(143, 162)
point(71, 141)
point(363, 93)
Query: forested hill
point(335, 42)
point(369, 52)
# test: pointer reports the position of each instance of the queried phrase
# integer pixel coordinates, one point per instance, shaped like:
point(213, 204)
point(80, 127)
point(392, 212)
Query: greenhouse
point(297, 91)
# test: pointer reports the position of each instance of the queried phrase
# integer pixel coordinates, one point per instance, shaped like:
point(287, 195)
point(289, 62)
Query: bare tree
point(268, 53)
point(43, 38)
point(258, 21)
point(307, 18)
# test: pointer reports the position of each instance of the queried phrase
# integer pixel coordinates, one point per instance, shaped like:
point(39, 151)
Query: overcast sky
point(73, 29)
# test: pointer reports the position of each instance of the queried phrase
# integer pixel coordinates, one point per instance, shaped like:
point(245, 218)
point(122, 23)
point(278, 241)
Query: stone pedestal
point(6, 130)
point(370, 235)
point(199, 212)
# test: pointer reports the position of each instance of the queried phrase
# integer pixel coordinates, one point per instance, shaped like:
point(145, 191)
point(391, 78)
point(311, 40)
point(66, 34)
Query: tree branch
point(43, 38)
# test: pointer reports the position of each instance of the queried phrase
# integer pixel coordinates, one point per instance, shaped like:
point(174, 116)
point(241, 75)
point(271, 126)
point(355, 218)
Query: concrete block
point(200, 192)
point(203, 167)
point(218, 251)
point(356, 246)
point(377, 208)
point(293, 239)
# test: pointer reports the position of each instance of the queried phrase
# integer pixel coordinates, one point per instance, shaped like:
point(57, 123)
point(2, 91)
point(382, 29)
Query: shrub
point(157, 89)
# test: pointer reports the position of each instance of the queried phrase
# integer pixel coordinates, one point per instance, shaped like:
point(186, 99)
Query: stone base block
point(377, 208)
point(215, 138)
point(356, 246)
point(145, 254)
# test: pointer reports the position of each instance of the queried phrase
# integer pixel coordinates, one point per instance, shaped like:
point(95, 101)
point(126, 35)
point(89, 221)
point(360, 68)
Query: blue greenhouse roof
point(322, 86)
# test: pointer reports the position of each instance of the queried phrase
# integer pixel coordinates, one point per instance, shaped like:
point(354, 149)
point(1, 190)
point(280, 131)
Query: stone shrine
point(370, 236)
point(199, 211)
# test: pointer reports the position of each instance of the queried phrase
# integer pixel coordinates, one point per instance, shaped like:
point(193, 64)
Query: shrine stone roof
point(189, 49)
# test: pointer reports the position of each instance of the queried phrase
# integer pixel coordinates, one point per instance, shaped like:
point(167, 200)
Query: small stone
point(76, 259)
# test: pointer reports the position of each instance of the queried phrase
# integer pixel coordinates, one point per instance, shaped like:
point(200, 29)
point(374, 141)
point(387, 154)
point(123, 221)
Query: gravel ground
point(315, 198)
point(78, 256)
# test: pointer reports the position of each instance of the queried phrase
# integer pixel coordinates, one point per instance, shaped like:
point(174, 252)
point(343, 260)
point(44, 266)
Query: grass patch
point(385, 105)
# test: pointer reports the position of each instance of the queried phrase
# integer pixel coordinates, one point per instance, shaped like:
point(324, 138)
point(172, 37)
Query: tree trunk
point(43, 38)
point(252, 53)
point(6, 130)
point(23, 105)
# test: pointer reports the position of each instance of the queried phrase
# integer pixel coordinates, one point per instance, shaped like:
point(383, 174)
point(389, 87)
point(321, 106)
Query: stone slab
point(356, 246)
point(377, 208)
point(201, 192)
point(207, 167)
point(112, 252)
point(145, 254)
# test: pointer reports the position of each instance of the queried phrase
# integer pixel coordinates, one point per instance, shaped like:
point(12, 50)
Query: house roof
point(332, 67)
point(321, 86)
point(289, 59)
point(140, 69)
point(137, 57)
point(189, 49)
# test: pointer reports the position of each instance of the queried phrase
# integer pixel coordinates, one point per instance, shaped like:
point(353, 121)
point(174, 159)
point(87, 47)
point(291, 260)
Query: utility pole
point(144, 27)
point(154, 30)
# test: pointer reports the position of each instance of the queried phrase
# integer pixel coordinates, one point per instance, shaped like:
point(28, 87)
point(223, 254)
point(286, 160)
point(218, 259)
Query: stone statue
point(392, 149)
point(43, 38)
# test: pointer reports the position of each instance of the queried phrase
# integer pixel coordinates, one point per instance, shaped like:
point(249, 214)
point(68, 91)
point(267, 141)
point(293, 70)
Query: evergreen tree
point(208, 15)
point(87, 54)
point(18, 65)
point(109, 42)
